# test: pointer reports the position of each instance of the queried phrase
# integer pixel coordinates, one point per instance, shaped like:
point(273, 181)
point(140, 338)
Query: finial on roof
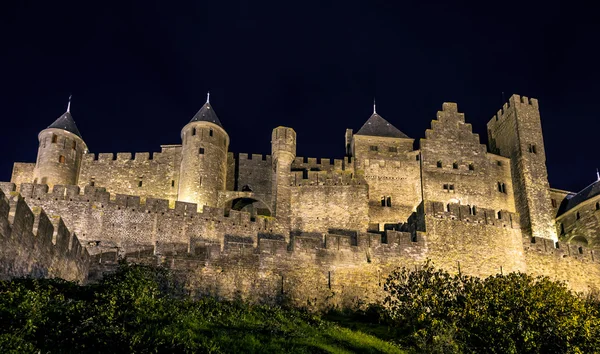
point(208, 97)
point(69, 104)
point(374, 106)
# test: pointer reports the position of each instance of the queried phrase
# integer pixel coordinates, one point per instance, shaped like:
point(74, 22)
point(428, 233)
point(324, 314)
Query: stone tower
point(204, 158)
point(283, 151)
point(60, 152)
point(516, 132)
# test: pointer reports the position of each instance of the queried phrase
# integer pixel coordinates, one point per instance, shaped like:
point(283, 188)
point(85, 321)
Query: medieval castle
point(316, 230)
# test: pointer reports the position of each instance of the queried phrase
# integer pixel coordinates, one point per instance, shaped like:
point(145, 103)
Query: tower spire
point(374, 106)
point(69, 104)
point(208, 97)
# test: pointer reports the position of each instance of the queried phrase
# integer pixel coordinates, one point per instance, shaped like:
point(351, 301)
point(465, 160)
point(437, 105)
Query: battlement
point(560, 249)
point(324, 178)
point(51, 249)
point(255, 158)
point(318, 164)
point(121, 157)
point(513, 101)
point(472, 214)
point(96, 195)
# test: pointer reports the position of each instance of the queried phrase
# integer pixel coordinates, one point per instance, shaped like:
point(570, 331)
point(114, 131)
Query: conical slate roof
point(207, 114)
point(66, 122)
point(377, 126)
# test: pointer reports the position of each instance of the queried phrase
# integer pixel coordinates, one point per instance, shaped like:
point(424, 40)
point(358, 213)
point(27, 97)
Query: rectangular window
point(54, 139)
point(439, 164)
point(499, 163)
point(445, 187)
point(373, 148)
point(61, 159)
point(92, 183)
point(210, 132)
point(451, 187)
point(173, 183)
point(74, 145)
point(553, 202)
point(471, 167)
point(532, 149)
point(201, 151)
point(393, 149)
point(140, 183)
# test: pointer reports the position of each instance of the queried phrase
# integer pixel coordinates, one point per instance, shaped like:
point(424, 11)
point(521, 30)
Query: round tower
point(60, 152)
point(283, 151)
point(204, 158)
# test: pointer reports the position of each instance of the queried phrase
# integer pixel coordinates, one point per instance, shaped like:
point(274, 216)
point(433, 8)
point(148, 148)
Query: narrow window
point(140, 183)
point(200, 180)
point(388, 202)
point(534, 149)
point(172, 183)
point(499, 215)
point(445, 187)
point(577, 216)
point(451, 187)
point(92, 183)
point(61, 159)
point(54, 139)
point(562, 229)
point(598, 206)
point(74, 145)
point(471, 167)
point(417, 157)
point(474, 210)
point(193, 131)
point(448, 207)
point(470, 209)
point(201, 151)
point(580, 249)
point(382, 201)
point(503, 188)
point(439, 164)
point(499, 163)
point(210, 132)
point(373, 148)
point(455, 165)
point(392, 149)
point(553, 202)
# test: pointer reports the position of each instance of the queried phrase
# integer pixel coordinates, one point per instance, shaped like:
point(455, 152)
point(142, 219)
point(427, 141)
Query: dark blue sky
point(139, 71)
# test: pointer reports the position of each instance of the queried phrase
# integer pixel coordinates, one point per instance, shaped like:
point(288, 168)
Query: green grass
point(141, 310)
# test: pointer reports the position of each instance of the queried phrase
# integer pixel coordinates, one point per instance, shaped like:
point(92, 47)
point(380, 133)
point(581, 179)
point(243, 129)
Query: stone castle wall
point(33, 244)
point(154, 175)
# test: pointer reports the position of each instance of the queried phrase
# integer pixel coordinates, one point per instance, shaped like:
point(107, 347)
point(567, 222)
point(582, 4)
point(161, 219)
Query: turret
point(283, 151)
point(516, 132)
point(60, 152)
point(204, 158)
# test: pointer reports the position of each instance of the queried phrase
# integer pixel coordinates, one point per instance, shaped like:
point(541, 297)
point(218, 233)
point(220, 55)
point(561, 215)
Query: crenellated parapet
point(325, 178)
point(34, 244)
point(471, 214)
point(318, 164)
point(560, 250)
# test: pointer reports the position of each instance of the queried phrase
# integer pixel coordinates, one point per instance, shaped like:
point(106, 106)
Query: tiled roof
point(377, 126)
point(66, 122)
point(207, 114)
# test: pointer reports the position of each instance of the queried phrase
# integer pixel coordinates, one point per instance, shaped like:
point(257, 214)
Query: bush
point(514, 313)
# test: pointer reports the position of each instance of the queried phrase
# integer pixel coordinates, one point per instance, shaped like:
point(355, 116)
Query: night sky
point(140, 70)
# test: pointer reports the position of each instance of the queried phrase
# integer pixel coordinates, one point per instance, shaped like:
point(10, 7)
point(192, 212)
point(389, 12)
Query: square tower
point(516, 132)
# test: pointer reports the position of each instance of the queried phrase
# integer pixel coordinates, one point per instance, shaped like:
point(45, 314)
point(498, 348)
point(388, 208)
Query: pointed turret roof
point(66, 122)
point(377, 126)
point(207, 114)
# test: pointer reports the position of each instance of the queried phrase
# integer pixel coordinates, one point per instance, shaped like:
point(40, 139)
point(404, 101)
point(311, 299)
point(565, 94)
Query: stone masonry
point(317, 231)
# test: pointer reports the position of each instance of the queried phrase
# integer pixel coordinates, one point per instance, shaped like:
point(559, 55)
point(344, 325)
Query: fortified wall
point(35, 245)
point(314, 231)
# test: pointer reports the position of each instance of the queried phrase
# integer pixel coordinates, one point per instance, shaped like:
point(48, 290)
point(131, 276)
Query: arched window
point(210, 132)
point(193, 131)
point(382, 201)
point(388, 202)
point(54, 139)
point(61, 159)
